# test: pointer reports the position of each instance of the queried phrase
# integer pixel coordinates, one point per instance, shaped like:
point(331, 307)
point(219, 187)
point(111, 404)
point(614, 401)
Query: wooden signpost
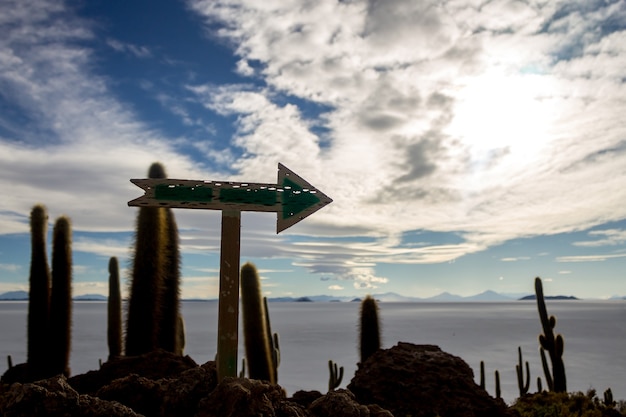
point(292, 198)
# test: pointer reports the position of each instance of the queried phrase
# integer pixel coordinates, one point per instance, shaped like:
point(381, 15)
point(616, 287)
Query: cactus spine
point(370, 328)
point(519, 368)
point(144, 303)
point(39, 292)
point(553, 344)
point(114, 311)
point(61, 298)
point(256, 335)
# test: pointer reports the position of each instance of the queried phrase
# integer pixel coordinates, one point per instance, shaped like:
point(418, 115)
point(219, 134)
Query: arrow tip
point(299, 198)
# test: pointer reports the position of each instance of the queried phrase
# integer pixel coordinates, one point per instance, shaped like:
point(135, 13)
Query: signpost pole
point(228, 315)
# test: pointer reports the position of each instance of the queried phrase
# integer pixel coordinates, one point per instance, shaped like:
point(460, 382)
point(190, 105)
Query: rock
point(342, 403)
point(166, 396)
point(19, 373)
point(422, 381)
point(55, 397)
point(305, 398)
point(153, 365)
point(242, 397)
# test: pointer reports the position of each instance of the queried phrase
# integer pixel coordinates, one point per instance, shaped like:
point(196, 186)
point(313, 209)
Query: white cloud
point(392, 107)
point(102, 247)
point(609, 237)
point(590, 258)
point(335, 287)
point(136, 50)
point(489, 118)
point(10, 267)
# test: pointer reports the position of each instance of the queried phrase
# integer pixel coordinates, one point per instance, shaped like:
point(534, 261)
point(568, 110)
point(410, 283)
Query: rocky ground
point(405, 380)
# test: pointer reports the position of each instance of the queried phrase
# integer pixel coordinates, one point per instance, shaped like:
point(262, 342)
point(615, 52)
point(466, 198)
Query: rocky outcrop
point(55, 397)
point(422, 381)
point(343, 403)
point(416, 380)
point(242, 397)
point(154, 365)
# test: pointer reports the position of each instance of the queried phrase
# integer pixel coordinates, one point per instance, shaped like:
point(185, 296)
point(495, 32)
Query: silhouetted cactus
point(519, 368)
point(114, 310)
point(546, 369)
point(553, 344)
point(498, 390)
point(180, 335)
point(144, 303)
point(61, 298)
point(482, 374)
point(274, 341)
point(39, 293)
point(169, 337)
point(369, 328)
point(336, 375)
point(256, 335)
point(608, 398)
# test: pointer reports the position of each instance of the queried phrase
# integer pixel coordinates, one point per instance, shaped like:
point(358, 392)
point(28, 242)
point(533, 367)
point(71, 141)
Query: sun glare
point(504, 120)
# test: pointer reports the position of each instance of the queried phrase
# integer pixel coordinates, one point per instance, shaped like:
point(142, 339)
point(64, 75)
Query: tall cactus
point(39, 292)
point(273, 340)
point(519, 369)
point(144, 303)
point(256, 335)
point(553, 344)
point(370, 328)
point(114, 310)
point(170, 299)
point(61, 298)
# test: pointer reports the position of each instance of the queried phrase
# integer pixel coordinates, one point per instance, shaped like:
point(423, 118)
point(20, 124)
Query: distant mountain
point(550, 297)
point(90, 297)
point(488, 296)
point(14, 296)
point(392, 297)
point(445, 297)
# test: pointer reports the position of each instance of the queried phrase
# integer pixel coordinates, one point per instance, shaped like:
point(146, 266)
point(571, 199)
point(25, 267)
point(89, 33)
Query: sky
point(468, 145)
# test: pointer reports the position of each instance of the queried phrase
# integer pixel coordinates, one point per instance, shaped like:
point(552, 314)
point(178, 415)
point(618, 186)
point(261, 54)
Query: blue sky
point(468, 145)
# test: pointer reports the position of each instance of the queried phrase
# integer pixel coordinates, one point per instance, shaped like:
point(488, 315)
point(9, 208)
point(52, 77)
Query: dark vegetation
point(147, 372)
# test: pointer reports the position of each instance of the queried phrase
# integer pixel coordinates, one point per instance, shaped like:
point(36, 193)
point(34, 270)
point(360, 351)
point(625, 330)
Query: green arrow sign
point(292, 198)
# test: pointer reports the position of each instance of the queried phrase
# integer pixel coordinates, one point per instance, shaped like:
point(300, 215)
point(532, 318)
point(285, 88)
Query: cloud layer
point(490, 120)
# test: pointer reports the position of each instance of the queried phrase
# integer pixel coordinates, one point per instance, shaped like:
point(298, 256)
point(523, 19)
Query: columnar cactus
point(370, 328)
point(519, 368)
point(61, 298)
point(482, 374)
point(145, 303)
point(169, 337)
point(498, 390)
point(255, 331)
point(274, 341)
point(39, 292)
point(336, 375)
point(114, 310)
point(553, 344)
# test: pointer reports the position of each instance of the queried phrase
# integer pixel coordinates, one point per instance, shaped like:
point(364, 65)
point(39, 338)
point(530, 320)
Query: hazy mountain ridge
point(23, 296)
point(445, 297)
